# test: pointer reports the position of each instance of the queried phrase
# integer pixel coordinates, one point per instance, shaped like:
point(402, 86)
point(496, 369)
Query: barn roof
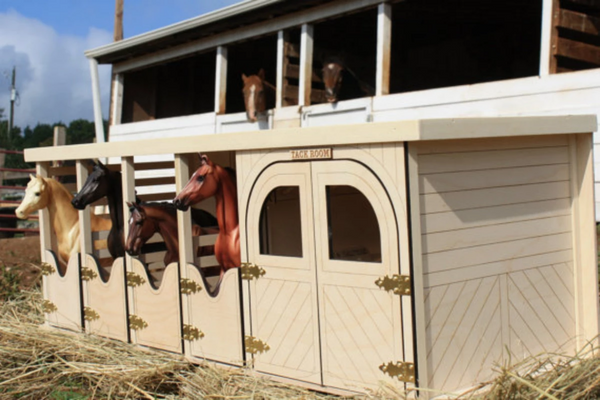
point(236, 15)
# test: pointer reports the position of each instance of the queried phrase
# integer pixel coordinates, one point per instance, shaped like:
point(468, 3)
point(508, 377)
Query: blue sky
point(45, 40)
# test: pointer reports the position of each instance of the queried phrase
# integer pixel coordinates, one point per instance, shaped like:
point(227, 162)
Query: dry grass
point(38, 363)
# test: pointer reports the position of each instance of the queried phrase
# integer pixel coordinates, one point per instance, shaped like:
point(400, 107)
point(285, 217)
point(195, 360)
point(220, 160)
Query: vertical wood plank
point(117, 99)
point(417, 272)
point(384, 48)
point(99, 124)
point(221, 80)
point(85, 225)
point(41, 169)
point(280, 69)
point(585, 253)
point(128, 184)
point(550, 57)
point(184, 222)
point(306, 61)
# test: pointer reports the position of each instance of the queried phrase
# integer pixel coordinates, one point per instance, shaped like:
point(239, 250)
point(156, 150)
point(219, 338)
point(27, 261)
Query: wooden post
point(45, 230)
point(97, 101)
point(116, 100)
point(306, 61)
point(85, 233)
point(221, 81)
point(128, 184)
point(384, 48)
point(2, 163)
point(281, 66)
point(118, 32)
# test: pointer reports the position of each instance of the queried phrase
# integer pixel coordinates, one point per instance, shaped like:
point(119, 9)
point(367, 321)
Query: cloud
point(53, 74)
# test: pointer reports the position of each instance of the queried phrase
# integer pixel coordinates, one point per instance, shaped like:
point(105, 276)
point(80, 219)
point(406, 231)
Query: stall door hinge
point(188, 286)
point(134, 279)
point(87, 274)
point(255, 346)
point(192, 333)
point(403, 371)
point(49, 307)
point(47, 269)
point(136, 323)
point(251, 271)
point(398, 284)
point(89, 314)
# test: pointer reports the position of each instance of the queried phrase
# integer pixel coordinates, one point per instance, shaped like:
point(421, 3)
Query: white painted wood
point(117, 100)
point(100, 138)
point(221, 80)
point(64, 293)
point(190, 125)
point(280, 63)
point(306, 61)
point(384, 48)
point(546, 42)
point(238, 122)
point(255, 30)
point(340, 113)
point(218, 317)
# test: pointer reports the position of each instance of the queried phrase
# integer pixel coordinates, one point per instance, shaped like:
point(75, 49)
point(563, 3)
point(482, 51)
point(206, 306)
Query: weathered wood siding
point(497, 253)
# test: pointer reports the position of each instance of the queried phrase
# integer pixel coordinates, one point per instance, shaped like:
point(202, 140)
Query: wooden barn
point(419, 234)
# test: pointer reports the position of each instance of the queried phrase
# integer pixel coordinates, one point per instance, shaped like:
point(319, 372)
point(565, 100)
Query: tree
point(81, 131)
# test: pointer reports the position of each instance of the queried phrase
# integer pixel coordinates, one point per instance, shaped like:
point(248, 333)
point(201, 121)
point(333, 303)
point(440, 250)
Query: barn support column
point(384, 47)
point(280, 69)
point(128, 185)
point(97, 101)
point(306, 61)
point(550, 10)
point(117, 100)
point(221, 80)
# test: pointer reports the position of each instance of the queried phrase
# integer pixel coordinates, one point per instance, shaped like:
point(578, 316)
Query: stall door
point(324, 232)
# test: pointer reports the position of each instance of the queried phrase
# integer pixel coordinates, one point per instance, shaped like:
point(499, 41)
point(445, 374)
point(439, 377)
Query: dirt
point(21, 256)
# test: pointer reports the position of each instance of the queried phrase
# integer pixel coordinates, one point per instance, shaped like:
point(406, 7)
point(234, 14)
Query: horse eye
point(201, 178)
point(37, 193)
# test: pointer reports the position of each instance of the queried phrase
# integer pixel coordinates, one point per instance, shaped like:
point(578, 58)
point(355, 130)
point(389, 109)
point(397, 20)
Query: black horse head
point(97, 185)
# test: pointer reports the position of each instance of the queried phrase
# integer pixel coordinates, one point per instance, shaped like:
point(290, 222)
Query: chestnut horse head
point(333, 71)
point(204, 183)
point(97, 185)
point(254, 94)
point(141, 229)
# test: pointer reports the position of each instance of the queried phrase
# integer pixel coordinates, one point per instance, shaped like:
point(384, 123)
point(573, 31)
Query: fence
point(8, 219)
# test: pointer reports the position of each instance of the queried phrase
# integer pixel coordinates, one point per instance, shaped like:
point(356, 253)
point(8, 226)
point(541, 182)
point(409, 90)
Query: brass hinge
point(49, 307)
point(87, 274)
point(251, 271)
point(47, 269)
point(192, 333)
point(89, 314)
point(255, 346)
point(404, 371)
point(399, 284)
point(134, 279)
point(188, 286)
point(136, 323)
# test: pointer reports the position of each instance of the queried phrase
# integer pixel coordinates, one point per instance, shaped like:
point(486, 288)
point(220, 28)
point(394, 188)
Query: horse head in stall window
point(335, 69)
point(255, 96)
point(210, 180)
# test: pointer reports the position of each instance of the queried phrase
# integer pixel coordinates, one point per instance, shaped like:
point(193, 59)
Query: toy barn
point(433, 220)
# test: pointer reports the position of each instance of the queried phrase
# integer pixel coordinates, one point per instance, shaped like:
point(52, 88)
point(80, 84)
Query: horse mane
point(57, 186)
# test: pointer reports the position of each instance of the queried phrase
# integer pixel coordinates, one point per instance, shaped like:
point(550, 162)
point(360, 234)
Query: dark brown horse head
point(96, 186)
point(141, 229)
point(204, 183)
point(254, 94)
point(333, 72)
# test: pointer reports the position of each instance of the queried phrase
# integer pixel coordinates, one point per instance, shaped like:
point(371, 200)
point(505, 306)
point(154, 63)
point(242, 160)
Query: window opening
point(280, 223)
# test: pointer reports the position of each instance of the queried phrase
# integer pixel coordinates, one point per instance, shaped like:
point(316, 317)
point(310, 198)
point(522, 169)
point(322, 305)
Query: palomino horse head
point(203, 184)
point(254, 94)
point(36, 197)
point(141, 229)
point(333, 72)
point(96, 186)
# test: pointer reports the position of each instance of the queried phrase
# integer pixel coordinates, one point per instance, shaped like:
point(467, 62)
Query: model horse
point(211, 180)
point(334, 70)
point(255, 98)
point(51, 194)
point(150, 218)
point(103, 182)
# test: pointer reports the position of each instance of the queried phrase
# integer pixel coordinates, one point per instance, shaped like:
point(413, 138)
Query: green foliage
point(9, 284)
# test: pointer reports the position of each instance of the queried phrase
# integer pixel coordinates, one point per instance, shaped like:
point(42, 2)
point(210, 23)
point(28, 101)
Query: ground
point(23, 255)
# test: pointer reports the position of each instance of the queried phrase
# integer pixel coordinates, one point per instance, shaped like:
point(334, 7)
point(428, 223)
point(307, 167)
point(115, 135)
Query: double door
point(324, 232)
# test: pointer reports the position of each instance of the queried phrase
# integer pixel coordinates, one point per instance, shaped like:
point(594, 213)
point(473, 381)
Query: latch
point(255, 346)
point(398, 284)
point(251, 271)
point(188, 286)
point(192, 333)
point(403, 371)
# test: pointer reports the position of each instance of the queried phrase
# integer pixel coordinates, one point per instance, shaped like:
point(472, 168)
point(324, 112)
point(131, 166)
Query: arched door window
point(280, 226)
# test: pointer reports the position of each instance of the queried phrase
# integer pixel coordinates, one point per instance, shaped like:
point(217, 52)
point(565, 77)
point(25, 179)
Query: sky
point(46, 39)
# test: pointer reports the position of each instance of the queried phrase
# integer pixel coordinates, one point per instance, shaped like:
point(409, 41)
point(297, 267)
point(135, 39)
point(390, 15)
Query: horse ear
point(244, 77)
point(261, 74)
point(31, 177)
point(203, 159)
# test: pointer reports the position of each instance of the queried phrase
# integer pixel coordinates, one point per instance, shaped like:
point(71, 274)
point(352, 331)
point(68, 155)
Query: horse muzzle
point(77, 204)
point(180, 205)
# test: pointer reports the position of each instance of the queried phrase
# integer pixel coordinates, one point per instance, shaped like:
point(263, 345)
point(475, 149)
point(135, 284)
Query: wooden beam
point(221, 80)
point(546, 42)
point(281, 67)
point(578, 51)
point(552, 62)
point(306, 61)
point(85, 224)
point(579, 22)
point(384, 49)
point(184, 221)
point(293, 71)
point(310, 15)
